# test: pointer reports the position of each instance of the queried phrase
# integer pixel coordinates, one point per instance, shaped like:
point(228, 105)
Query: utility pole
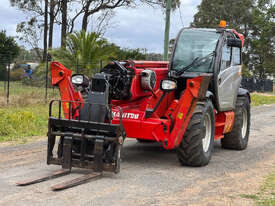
point(167, 30)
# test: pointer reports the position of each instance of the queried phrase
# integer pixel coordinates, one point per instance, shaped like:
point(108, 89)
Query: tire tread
point(234, 140)
point(190, 149)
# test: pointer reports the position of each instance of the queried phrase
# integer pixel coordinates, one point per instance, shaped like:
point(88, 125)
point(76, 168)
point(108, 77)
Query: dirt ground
point(149, 174)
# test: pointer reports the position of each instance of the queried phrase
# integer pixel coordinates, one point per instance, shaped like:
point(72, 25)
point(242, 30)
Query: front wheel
point(197, 143)
point(237, 139)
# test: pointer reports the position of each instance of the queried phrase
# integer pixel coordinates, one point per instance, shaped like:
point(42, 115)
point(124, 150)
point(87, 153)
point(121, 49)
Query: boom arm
point(71, 99)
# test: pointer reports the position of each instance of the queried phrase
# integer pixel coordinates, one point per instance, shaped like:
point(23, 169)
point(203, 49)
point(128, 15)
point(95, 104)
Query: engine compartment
point(131, 80)
point(120, 80)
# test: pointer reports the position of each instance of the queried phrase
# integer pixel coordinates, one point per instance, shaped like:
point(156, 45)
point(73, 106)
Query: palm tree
point(83, 51)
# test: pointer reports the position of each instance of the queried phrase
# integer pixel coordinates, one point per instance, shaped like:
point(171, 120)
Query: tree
point(236, 13)
point(45, 31)
point(90, 7)
point(64, 5)
point(9, 50)
point(262, 41)
point(39, 12)
point(26, 56)
point(126, 53)
point(36, 22)
point(154, 57)
point(31, 34)
point(54, 10)
point(83, 51)
point(131, 54)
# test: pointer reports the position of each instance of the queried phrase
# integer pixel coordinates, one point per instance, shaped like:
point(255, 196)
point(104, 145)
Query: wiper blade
point(195, 61)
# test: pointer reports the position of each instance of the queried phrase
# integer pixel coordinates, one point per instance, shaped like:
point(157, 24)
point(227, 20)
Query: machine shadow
point(153, 154)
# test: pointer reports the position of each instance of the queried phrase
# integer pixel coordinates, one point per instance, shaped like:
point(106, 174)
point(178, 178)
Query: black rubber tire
point(145, 141)
point(190, 151)
point(234, 139)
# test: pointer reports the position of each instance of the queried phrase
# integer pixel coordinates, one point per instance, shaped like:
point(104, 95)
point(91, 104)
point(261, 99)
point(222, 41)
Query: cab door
point(229, 77)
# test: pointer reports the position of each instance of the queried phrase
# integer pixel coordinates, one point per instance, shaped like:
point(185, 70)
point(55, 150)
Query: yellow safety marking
point(67, 105)
point(228, 124)
point(180, 115)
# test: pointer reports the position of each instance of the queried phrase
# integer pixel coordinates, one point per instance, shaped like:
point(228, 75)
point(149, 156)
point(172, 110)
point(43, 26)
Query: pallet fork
point(103, 139)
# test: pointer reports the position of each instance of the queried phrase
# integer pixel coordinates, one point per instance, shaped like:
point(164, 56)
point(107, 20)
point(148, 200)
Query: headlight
point(168, 85)
point(77, 79)
point(80, 80)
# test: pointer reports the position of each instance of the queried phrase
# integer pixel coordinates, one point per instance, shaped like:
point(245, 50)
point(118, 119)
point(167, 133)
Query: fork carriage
point(82, 143)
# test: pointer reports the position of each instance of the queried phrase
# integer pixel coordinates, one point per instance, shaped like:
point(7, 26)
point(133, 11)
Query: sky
point(141, 27)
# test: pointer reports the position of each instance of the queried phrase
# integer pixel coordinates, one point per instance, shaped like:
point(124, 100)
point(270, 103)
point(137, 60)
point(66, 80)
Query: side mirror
point(80, 80)
point(234, 42)
point(168, 85)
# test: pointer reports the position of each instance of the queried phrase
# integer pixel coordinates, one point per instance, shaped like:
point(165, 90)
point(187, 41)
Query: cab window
point(195, 44)
point(226, 57)
point(236, 53)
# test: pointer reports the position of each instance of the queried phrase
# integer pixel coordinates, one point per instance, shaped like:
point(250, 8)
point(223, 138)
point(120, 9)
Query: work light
point(168, 85)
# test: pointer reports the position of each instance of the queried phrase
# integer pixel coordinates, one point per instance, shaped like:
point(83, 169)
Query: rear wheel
point(197, 143)
point(238, 138)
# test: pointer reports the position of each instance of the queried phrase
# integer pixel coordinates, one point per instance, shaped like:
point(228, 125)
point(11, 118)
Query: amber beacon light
point(222, 24)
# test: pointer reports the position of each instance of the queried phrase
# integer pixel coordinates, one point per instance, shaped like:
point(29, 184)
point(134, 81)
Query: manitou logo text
point(126, 115)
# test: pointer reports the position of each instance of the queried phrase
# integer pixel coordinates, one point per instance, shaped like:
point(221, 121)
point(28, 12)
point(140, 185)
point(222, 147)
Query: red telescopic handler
point(185, 104)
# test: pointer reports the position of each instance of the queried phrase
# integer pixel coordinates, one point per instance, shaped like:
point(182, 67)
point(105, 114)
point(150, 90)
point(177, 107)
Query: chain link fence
point(21, 86)
point(29, 82)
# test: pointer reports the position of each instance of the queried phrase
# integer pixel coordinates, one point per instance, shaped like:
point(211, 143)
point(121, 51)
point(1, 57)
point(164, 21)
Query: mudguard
point(243, 92)
point(195, 90)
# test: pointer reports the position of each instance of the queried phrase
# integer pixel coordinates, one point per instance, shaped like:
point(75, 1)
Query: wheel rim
point(244, 127)
point(208, 132)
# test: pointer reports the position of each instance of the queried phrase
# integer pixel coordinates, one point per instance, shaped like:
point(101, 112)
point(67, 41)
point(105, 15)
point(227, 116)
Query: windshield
point(194, 44)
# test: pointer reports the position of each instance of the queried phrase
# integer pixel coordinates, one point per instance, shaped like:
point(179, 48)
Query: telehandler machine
point(185, 104)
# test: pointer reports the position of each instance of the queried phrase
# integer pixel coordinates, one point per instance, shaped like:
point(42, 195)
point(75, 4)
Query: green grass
point(18, 123)
point(17, 88)
point(261, 99)
point(21, 94)
point(247, 196)
point(27, 114)
point(266, 194)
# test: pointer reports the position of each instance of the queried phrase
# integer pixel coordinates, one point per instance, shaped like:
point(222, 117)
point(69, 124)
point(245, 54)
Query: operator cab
point(215, 52)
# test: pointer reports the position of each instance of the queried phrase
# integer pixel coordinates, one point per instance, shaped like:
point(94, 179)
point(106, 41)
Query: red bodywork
point(170, 120)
